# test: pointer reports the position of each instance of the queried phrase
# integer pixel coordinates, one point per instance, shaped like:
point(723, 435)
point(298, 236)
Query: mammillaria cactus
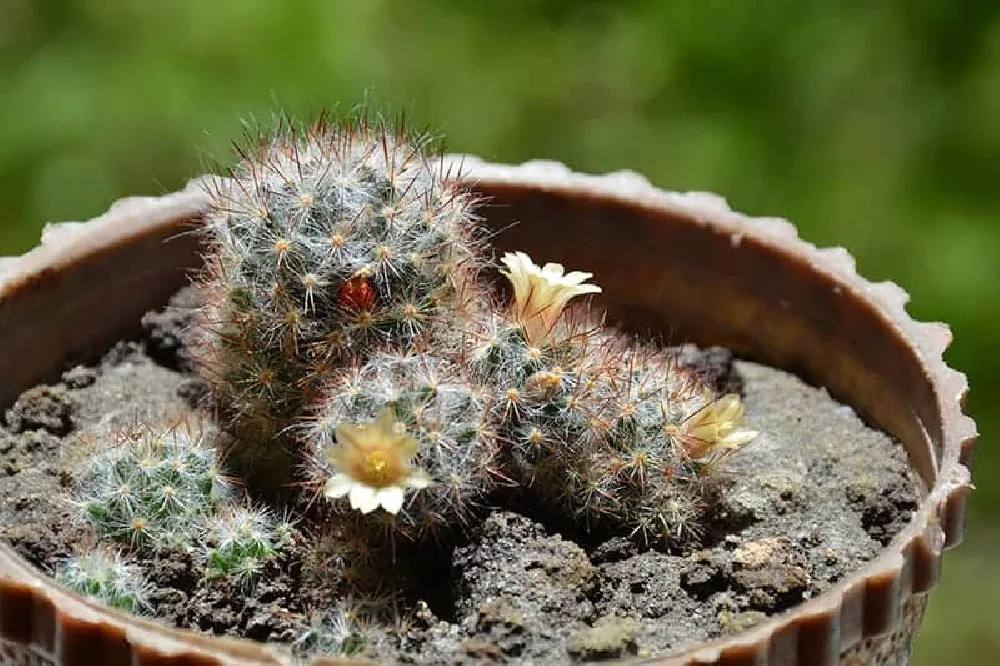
point(348, 341)
point(432, 432)
point(353, 351)
point(155, 487)
point(613, 430)
point(151, 484)
point(326, 245)
point(106, 577)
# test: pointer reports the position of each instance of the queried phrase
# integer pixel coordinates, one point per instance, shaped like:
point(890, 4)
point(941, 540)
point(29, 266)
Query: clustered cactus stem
point(155, 487)
point(328, 243)
point(351, 344)
point(105, 576)
point(353, 349)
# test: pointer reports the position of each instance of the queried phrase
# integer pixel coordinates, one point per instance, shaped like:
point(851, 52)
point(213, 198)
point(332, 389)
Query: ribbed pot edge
point(868, 603)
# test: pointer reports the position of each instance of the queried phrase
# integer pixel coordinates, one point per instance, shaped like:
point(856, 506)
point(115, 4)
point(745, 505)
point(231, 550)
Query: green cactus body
point(155, 488)
point(240, 541)
point(106, 577)
point(152, 486)
point(341, 631)
point(326, 245)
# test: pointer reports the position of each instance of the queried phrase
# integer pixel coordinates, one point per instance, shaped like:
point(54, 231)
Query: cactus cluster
point(340, 631)
point(353, 350)
point(240, 540)
point(153, 487)
point(347, 335)
point(614, 431)
point(106, 577)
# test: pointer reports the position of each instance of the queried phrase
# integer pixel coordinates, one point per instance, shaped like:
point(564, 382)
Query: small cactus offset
point(341, 631)
point(106, 577)
point(240, 542)
point(326, 245)
point(151, 484)
point(159, 487)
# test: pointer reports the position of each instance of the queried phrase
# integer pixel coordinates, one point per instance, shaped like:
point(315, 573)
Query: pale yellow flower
point(714, 430)
point(374, 464)
point(542, 292)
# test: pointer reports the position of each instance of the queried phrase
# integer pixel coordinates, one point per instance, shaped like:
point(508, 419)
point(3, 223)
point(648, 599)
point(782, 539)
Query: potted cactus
point(380, 419)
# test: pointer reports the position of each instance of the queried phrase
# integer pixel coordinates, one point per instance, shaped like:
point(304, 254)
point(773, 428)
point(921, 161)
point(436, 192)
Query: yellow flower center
point(376, 468)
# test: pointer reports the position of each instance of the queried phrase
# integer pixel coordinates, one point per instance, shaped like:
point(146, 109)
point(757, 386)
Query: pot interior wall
point(661, 273)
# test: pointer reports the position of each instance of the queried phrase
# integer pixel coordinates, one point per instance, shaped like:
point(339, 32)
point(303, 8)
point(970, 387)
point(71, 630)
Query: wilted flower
point(541, 293)
point(374, 464)
point(714, 430)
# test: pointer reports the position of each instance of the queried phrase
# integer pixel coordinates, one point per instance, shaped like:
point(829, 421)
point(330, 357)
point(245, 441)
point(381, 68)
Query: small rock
point(475, 651)
point(615, 549)
point(168, 330)
point(193, 392)
point(610, 638)
point(122, 353)
point(771, 572)
point(715, 367)
point(736, 623)
point(885, 514)
point(7, 442)
point(703, 579)
point(79, 377)
point(45, 408)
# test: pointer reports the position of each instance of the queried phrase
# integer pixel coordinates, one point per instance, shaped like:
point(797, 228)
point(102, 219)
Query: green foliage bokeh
point(875, 126)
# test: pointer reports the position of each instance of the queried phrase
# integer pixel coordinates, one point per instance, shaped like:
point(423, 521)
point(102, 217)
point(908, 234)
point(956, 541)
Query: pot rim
point(865, 604)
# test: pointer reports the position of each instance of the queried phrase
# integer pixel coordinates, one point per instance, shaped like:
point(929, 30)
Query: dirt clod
point(771, 572)
point(167, 330)
point(45, 408)
point(610, 638)
point(535, 594)
point(716, 366)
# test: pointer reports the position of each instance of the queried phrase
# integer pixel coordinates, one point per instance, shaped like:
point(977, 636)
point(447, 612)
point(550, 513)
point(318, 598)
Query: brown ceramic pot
point(682, 263)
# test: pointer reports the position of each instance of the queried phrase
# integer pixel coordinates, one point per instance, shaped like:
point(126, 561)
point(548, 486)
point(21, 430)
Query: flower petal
point(337, 486)
point(738, 439)
point(386, 421)
point(391, 498)
point(576, 277)
point(347, 434)
point(586, 289)
point(418, 479)
point(363, 498)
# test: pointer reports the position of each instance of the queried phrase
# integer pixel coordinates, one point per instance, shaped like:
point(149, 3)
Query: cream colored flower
point(714, 430)
point(374, 464)
point(541, 293)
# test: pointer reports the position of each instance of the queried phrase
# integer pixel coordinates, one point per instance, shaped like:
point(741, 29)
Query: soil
point(816, 495)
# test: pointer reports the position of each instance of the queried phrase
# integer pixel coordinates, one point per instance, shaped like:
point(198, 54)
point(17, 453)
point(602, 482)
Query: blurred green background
point(872, 125)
